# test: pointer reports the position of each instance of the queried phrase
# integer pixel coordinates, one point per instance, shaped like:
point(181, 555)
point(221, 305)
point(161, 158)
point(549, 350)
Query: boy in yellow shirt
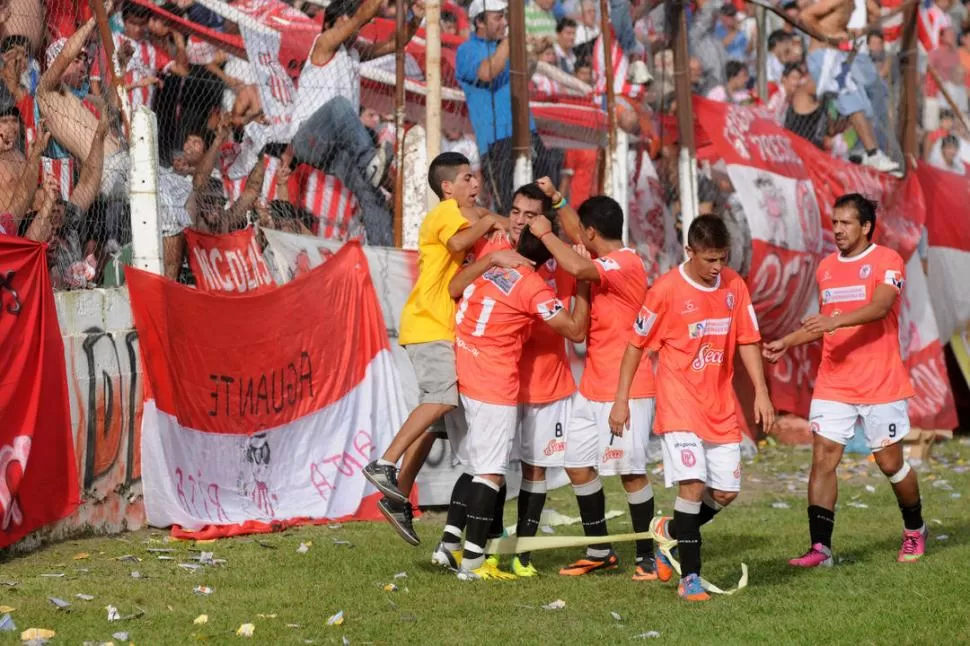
point(427, 330)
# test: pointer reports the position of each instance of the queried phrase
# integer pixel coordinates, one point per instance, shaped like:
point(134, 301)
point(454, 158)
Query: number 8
point(892, 430)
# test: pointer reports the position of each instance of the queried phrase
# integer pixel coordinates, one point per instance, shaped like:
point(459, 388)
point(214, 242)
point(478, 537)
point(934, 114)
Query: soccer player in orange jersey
point(619, 284)
point(694, 318)
point(861, 376)
point(546, 388)
point(493, 322)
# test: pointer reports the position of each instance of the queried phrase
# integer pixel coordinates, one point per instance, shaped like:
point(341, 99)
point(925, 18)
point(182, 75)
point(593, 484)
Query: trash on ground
point(303, 548)
point(616, 615)
point(201, 620)
point(113, 614)
point(650, 634)
point(37, 633)
point(558, 604)
point(85, 597)
point(120, 636)
point(780, 505)
point(202, 589)
point(81, 556)
point(6, 624)
point(136, 574)
point(246, 630)
point(6, 609)
point(401, 575)
point(60, 603)
point(390, 587)
point(337, 619)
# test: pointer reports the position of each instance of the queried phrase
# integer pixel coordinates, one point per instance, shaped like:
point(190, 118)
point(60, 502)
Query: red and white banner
point(254, 436)
point(38, 473)
point(651, 227)
point(230, 263)
point(947, 197)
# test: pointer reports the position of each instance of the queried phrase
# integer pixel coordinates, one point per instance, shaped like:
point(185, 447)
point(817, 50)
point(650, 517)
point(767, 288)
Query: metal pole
point(606, 34)
point(685, 121)
point(519, 71)
point(399, 109)
point(761, 17)
point(432, 17)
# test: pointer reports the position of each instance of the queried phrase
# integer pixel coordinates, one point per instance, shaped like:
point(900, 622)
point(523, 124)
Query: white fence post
point(146, 230)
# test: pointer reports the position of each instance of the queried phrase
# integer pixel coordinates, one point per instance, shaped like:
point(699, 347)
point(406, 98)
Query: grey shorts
point(434, 367)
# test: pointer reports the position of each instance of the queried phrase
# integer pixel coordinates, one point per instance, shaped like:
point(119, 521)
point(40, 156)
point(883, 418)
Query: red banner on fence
point(231, 263)
point(38, 474)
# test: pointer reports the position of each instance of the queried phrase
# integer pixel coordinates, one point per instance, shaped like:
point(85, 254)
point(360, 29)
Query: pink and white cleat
point(818, 556)
point(914, 545)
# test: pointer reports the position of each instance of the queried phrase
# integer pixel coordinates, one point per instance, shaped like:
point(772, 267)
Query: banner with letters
point(256, 436)
point(787, 188)
point(38, 471)
point(229, 263)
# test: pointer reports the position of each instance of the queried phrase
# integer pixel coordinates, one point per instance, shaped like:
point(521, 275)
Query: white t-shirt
point(340, 76)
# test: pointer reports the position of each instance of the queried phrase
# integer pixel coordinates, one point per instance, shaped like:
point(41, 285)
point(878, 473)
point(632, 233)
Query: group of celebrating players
point(484, 330)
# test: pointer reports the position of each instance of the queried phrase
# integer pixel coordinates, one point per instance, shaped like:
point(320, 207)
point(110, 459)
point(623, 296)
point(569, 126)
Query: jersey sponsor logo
point(688, 458)
point(848, 294)
point(464, 345)
point(730, 300)
point(548, 309)
point(555, 446)
point(644, 322)
point(709, 327)
point(708, 355)
point(826, 276)
point(865, 271)
point(894, 278)
point(612, 454)
point(503, 279)
point(609, 264)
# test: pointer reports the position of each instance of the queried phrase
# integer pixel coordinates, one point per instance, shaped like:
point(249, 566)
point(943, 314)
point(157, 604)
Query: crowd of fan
point(64, 166)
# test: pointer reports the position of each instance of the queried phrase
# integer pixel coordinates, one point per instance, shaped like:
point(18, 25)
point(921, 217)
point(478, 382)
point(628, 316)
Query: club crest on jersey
point(865, 271)
point(688, 307)
point(688, 458)
point(708, 355)
point(503, 279)
point(894, 278)
point(730, 300)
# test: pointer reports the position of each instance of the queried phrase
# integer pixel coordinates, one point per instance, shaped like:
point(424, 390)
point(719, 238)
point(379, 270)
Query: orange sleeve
point(747, 329)
point(648, 328)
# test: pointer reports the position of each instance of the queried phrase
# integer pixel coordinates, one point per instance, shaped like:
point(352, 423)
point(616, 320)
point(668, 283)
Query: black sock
point(532, 497)
point(480, 511)
point(872, 152)
point(913, 516)
point(455, 523)
point(709, 508)
point(498, 518)
point(688, 528)
point(592, 509)
point(641, 513)
point(821, 522)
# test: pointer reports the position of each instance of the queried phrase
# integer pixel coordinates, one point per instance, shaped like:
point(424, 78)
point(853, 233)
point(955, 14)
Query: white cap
point(638, 73)
point(478, 6)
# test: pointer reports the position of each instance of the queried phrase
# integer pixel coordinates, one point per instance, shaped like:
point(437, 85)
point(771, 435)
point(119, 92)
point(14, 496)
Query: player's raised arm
point(466, 238)
point(501, 258)
point(569, 260)
point(567, 215)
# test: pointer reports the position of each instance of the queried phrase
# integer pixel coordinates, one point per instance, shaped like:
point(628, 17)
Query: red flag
point(38, 474)
point(230, 263)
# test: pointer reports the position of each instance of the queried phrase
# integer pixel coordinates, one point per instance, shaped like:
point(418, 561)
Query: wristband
point(558, 205)
point(545, 234)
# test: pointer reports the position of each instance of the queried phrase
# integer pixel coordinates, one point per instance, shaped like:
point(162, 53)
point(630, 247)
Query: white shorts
point(542, 432)
point(590, 443)
point(456, 428)
point(688, 457)
point(884, 424)
point(491, 431)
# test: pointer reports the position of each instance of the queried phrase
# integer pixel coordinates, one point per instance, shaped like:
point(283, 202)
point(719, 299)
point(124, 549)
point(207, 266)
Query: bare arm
point(236, 215)
point(204, 170)
point(51, 79)
point(40, 229)
point(581, 309)
point(628, 370)
point(764, 412)
point(92, 168)
point(468, 275)
point(23, 195)
point(812, 15)
point(493, 65)
point(181, 65)
point(569, 325)
point(332, 38)
point(467, 237)
point(376, 50)
point(568, 217)
point(569, 260)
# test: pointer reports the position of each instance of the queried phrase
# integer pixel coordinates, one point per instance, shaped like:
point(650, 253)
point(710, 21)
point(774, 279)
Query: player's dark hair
point(337, 9)
point(864, 208)
point(532, 248)
point(565, 23)
point(533, 192)
point(444, 168)
point(708, 232)
point(137, 11)
point(603, 214)
point(789, 68)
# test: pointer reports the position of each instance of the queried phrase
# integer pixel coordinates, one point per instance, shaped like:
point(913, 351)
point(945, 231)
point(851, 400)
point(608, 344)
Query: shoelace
point(910, 544)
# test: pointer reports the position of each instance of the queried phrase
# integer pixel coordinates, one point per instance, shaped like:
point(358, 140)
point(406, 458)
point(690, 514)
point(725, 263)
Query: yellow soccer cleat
point(523, 571)
point(486, 572)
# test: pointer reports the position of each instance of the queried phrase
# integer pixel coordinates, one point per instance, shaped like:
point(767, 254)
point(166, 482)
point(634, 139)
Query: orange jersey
point(545, 375)
point(492, 323)
point(695, 330)
point(614, 304)
point(862, 364)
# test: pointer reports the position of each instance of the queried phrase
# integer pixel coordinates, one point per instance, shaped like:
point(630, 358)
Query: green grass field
point(866, 599)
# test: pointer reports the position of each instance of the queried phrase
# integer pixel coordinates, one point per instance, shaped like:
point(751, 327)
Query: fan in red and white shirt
point(145, 58)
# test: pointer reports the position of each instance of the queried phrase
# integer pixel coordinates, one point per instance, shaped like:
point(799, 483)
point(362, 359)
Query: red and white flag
point(337, 211)
point(947, 196)
point(262, 432)
point(38, 472)
point(230, 263)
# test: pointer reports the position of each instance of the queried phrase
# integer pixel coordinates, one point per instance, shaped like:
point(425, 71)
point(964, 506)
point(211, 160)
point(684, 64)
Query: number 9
point(892, 430)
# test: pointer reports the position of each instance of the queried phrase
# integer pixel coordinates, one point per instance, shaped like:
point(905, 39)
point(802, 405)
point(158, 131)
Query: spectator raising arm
point(495, 64)
point(23, 195)
point(236, 215)
point(41, 227)
point(343, 29)
point(376, 50)
point(89, 181)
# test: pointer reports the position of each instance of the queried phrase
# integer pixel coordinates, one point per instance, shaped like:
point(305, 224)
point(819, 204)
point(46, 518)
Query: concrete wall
point(105, 388)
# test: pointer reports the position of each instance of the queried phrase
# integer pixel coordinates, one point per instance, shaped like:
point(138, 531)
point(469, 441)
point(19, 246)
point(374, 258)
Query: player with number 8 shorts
point(861, 377)
point(618, 285)
point(694, 318)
